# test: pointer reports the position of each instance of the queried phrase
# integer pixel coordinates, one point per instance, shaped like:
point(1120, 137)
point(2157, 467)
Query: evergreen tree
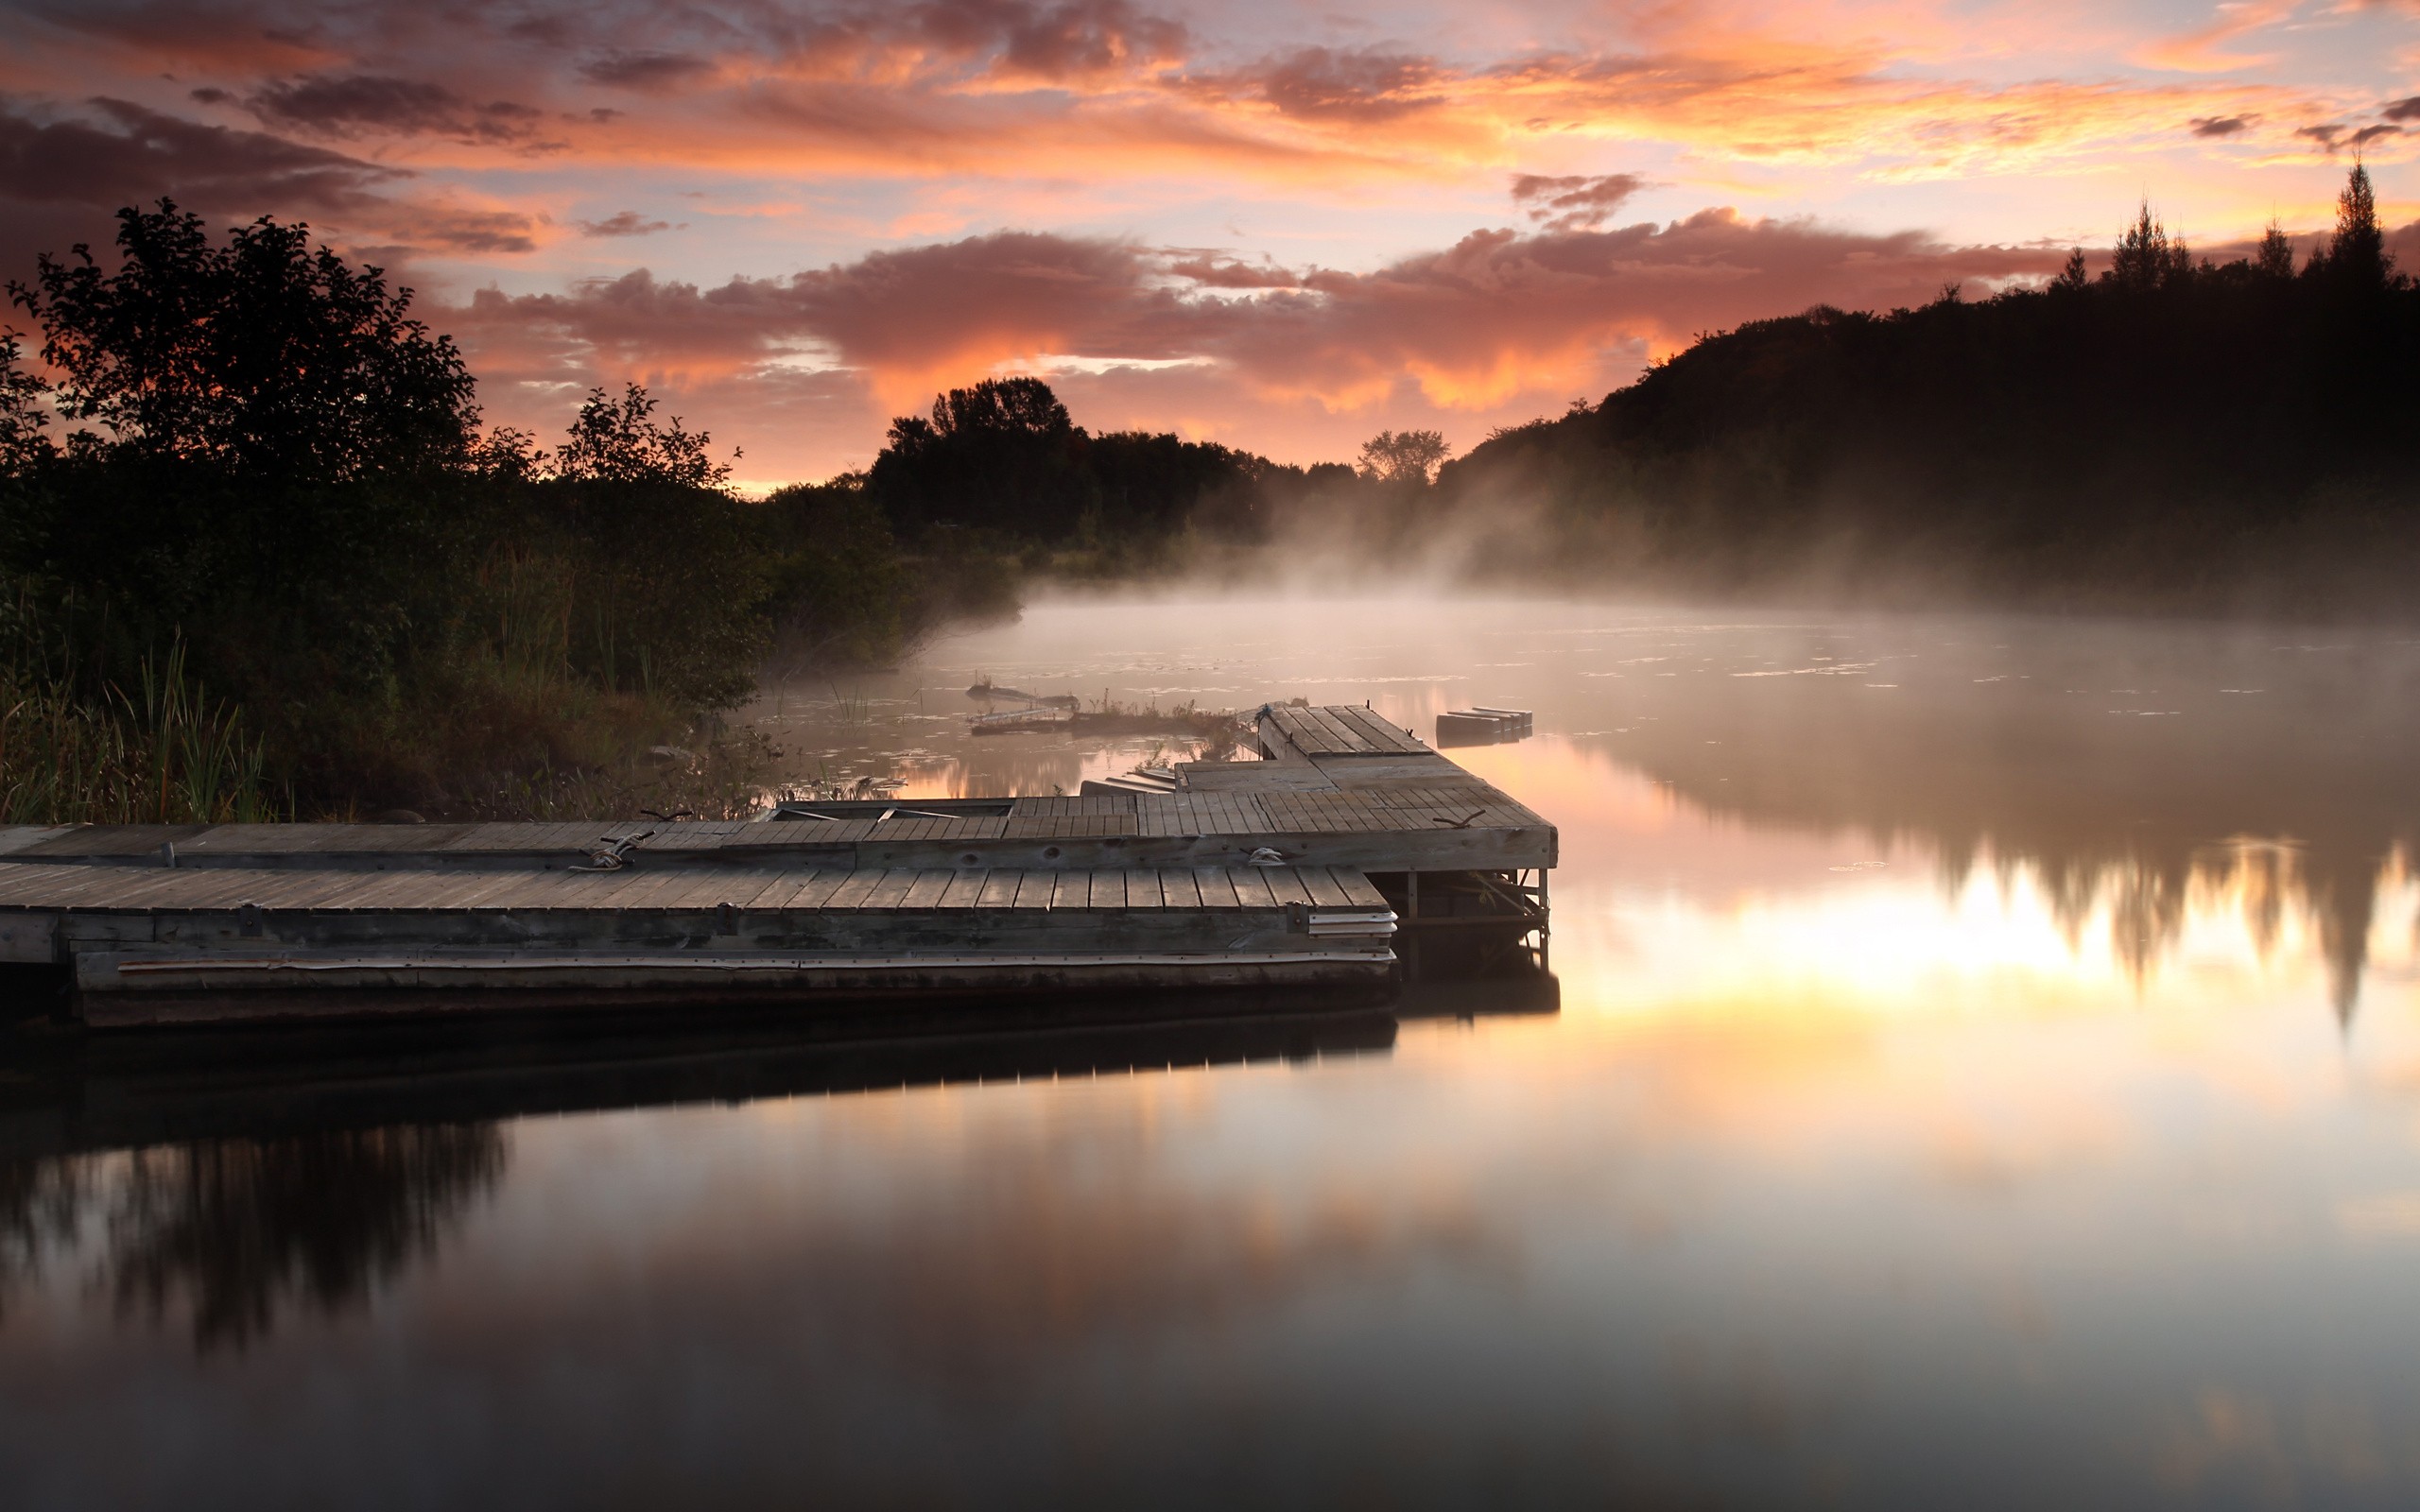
point(2357, 257)
point(2146, 257)
point(2275, 258)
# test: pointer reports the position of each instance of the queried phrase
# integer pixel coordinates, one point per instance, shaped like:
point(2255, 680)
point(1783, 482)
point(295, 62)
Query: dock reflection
point(239, 1179)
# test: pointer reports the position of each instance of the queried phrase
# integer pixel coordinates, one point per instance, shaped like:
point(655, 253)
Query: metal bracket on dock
point(615, 854)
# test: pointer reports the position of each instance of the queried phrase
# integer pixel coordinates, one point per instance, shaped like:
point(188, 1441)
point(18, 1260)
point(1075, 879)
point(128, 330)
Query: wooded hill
point(2173, 433)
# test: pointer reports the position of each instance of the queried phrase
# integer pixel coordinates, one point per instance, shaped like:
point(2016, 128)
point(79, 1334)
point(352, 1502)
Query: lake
point(1982, 1069)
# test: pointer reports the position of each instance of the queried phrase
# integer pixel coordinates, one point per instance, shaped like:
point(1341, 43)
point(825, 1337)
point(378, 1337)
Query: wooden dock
point(1293, 873)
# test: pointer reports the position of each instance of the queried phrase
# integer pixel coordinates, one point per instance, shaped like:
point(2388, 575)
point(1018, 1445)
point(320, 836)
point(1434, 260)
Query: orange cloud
point(1497, 317)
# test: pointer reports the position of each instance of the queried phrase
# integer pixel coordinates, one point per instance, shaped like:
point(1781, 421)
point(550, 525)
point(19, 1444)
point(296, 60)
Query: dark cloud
point(2403, 109)
point(1217, 270)
point(136, 154)
point(2325, 136)
point(1323, 84)
point(1574, 202)
point(622, 223)
point(645, 71)
point(2220, 125)
point(60, 181)
point(2371, 133)
point(359, 104)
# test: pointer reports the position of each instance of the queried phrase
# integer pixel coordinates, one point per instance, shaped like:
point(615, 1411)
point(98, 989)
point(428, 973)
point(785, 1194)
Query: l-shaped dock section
point(1351, 853)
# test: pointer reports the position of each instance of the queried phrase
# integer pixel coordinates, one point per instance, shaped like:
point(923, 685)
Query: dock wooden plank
point(1178, 888)
point(1359, 893)
point(1340, 737)
point(1215, 888)
point(1072, 889)
point(853, 889)
point(1252, 886)
point(814, 889)
point(892, 889)
point(1036, 889)
point(999, 890)
point(61, 885)
point(1143, 890)
point(964, 890)
point(1324, 889)
point(928, 890)
point(1286, 886)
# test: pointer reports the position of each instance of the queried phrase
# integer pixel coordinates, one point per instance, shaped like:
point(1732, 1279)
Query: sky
point(1279, 227)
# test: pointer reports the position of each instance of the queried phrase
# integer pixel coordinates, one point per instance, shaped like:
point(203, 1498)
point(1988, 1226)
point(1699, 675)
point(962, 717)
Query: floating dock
point(1349, 852)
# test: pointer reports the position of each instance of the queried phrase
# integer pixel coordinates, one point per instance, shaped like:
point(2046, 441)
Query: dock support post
point(1410, 934)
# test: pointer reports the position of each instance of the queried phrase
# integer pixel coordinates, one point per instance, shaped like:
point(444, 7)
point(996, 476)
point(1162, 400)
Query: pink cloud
point(1500, 318)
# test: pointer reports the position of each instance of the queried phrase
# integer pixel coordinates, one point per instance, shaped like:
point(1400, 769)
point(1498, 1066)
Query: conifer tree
point(2275, 258)
point(2146, 257)
point(2357, 257)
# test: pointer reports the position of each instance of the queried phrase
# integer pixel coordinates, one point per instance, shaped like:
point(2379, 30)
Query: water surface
point(1987, 1073)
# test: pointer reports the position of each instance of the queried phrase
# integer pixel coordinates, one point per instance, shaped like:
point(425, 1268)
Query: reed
point(162, 753)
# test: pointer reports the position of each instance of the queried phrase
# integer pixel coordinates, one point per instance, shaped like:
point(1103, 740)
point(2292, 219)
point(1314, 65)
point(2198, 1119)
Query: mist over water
point(1984, 1077)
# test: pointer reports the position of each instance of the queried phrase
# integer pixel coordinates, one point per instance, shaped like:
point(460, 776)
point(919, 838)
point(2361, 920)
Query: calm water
point(1987, 1073)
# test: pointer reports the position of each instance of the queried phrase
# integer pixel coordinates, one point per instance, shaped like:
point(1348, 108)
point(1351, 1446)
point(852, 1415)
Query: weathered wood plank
point(853, 888)
point(1217, 888)
point(999, 890)
point(816, 890)
point(1324, 890)
point(928, 889)
point(965, 889)
point(1286, 886)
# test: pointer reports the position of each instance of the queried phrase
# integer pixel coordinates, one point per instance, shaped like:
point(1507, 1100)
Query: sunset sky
point(1280, 227)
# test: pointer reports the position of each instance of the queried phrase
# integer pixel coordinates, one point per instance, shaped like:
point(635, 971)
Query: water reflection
point(1940, 1103)
point(2126, 774)
point(233, 1231)
point(238, 1179)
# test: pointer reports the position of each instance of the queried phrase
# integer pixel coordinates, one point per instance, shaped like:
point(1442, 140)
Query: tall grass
point(163, 753)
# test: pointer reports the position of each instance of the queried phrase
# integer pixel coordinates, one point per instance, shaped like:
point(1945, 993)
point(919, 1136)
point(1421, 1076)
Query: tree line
point(2173, 433)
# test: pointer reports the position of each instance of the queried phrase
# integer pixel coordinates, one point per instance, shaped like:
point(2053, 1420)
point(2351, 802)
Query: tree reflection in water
point(236, 1230)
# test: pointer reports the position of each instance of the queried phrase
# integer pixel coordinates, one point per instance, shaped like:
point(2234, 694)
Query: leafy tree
point(22, 411)
point(1002, 456)
point(668, 584)
point(264, 357)
point(1405, 456)
point(620, 441)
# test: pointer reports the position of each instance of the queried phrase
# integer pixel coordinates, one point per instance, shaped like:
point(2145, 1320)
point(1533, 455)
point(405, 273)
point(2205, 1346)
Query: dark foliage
point(1004, 460)
point(2173, 433)
point(273, 471)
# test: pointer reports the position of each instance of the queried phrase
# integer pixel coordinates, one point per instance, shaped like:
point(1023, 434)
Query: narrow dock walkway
point(1294, 871)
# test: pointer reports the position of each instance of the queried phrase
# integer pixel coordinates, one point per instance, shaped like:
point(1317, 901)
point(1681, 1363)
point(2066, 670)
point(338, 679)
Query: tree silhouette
point(1402, 456)
point(2356, 257)
point(2146, 257)
point(2275, 258)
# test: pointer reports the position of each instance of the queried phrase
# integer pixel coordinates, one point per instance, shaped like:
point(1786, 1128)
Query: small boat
point(1480, 725)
